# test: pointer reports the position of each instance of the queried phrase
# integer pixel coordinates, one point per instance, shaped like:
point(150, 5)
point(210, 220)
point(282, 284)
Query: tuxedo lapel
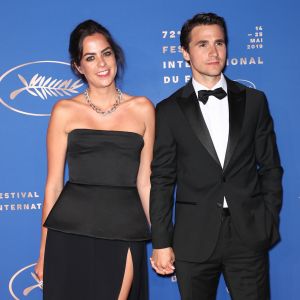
point(190, 107)
point(236, 103)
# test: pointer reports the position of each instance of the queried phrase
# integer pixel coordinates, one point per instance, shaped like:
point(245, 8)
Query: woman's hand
point(162, 261)
point(39, 268)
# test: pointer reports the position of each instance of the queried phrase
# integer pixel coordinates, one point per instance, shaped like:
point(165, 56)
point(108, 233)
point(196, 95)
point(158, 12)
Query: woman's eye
point(90, 58)
point(107, 53)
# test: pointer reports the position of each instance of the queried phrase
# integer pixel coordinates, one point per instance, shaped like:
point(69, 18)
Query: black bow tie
point(204, 94)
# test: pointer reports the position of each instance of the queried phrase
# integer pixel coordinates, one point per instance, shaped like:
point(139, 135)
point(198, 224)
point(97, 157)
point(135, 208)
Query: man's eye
point(202, 45)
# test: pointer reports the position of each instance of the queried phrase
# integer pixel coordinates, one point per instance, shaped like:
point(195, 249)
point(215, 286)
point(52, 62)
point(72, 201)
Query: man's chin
point(214, 74)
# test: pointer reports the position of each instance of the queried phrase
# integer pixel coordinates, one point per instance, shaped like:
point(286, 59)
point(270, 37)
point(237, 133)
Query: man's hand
point(162, 261)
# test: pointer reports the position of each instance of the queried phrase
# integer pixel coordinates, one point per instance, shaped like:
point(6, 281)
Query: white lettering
point(243, 60)
point(173, 64)
point(252, 61)
point(25, 206)
point(260, 61)
point(187, 78)
point(164, 49)
point(234, 61)
point(173, 49)
point(167, 79)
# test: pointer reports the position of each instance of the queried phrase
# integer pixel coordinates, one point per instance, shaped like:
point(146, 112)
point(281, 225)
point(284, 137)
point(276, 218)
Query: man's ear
point(185, 54)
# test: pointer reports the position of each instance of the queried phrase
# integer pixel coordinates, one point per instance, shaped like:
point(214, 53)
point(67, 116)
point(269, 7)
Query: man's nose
point(213, 50)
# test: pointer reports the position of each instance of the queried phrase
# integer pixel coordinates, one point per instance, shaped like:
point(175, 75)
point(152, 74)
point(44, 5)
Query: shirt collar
point(221, 83)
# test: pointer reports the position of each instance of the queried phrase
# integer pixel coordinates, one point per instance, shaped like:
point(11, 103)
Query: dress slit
point(127, 261)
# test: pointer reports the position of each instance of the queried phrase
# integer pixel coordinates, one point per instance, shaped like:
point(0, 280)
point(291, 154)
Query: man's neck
point(208, 81)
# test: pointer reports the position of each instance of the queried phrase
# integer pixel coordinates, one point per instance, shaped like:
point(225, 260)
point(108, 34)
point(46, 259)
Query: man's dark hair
point(200, 19)
point(87, 28)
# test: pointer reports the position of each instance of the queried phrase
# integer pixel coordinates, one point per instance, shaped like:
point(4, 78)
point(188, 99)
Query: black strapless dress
point(97, 218)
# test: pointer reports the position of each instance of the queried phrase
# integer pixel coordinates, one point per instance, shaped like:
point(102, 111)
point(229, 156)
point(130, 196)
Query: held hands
point(162, 261)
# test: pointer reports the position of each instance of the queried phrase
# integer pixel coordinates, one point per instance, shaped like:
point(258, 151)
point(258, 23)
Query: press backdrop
point(263, 53)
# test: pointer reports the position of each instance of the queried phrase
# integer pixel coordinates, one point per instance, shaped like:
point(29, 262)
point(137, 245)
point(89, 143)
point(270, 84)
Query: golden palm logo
point(44, 80)
point(41, 87)
point(39, 284)
point(16, 283)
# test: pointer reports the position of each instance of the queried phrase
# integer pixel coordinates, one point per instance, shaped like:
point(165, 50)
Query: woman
point(97, 224)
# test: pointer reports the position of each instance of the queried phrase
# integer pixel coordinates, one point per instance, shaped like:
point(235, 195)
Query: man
point(215, 142)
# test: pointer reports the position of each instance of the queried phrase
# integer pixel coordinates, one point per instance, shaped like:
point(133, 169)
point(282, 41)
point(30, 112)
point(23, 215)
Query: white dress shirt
point(216, 116)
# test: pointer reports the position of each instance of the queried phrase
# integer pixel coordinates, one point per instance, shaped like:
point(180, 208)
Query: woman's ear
point(78, 68)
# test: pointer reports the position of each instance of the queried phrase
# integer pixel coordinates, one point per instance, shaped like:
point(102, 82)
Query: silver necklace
point(97, 109)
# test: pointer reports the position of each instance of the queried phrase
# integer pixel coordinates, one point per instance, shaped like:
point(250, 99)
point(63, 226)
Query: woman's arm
point(143, 178)
point(56, 153)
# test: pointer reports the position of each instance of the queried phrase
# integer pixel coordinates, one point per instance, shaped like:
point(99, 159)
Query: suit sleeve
point(268, 161)
point(163, 179)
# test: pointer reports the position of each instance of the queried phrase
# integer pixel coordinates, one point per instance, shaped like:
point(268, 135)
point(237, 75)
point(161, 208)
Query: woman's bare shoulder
point(67, 106)
point(140, 103)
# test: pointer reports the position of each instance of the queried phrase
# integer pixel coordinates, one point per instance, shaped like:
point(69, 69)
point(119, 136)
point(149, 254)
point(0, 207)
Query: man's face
point(206, 53)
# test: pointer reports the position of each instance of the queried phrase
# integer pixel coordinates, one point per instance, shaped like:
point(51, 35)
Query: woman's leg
point(128, 277)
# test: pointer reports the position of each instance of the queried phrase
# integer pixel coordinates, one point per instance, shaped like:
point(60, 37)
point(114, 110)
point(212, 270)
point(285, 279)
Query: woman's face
point(98, 62)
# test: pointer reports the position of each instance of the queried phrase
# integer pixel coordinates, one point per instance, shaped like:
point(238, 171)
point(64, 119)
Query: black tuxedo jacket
point(185, 159)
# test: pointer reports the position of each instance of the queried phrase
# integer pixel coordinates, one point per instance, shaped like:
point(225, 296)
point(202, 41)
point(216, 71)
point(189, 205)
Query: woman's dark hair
point(200, 19)
point(87, 28)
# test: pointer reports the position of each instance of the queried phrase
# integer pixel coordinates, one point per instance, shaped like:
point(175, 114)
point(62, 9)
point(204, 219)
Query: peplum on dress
point(97, 219)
